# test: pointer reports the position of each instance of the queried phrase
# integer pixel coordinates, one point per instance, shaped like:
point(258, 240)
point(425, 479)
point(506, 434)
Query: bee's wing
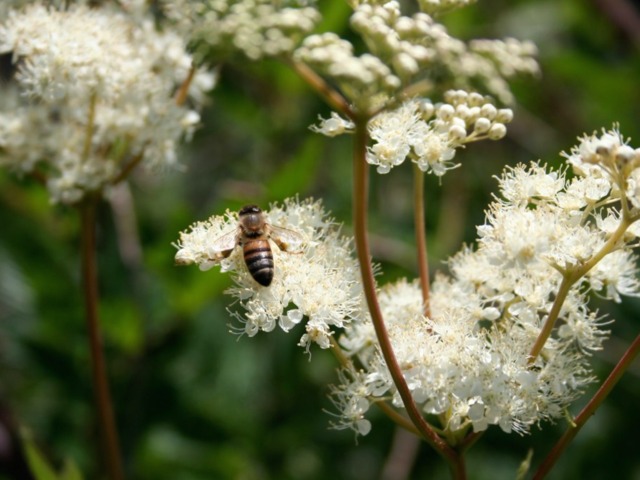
point(224, 245)
point(287, 240)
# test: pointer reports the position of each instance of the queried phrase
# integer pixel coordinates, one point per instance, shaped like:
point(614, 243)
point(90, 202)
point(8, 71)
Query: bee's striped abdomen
point(259, 260)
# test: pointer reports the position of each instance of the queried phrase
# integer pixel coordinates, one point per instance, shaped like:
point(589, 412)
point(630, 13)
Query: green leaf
point(70, 471)
point(38, 464)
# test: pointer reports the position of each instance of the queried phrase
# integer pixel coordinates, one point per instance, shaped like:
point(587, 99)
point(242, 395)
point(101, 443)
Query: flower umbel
point(469, 363)
point(94, 90)
point(405, 50)
point(321, 283)
point(255, 28)
point(430, 134)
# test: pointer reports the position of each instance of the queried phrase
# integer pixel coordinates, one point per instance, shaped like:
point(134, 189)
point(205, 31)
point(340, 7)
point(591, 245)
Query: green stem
point(360, 205)
point(421, 237)
point(104, 406)
point(570, 277)
point(588, 410)
point(545, 332)
point(342, 358)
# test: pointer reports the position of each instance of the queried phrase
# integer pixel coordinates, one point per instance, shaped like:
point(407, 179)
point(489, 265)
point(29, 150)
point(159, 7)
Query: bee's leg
point(222, 254)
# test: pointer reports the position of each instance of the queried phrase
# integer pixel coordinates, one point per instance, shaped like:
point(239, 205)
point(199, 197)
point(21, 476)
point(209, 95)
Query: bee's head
point(251, 220)
point(249, 209)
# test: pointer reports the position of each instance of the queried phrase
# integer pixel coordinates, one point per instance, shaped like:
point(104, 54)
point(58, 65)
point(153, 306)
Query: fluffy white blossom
point(361, 78)
point(468, 362)
point(333, 126)
point(256, 28)
point(510, 56)
point(318, 286)
point(94, 90)
point(412, 48)
point(429, 134)
point(608, 158)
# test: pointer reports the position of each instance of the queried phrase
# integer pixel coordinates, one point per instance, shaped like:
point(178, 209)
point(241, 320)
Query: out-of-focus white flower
point(255, 28)
point(413, 46)
point(362, 79)
point(95, 89)
point(320, 286)
point(333, 126)
point(404, 49)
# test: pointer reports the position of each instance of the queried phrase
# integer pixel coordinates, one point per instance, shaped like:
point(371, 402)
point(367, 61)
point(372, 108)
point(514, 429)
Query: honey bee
point(253, 235)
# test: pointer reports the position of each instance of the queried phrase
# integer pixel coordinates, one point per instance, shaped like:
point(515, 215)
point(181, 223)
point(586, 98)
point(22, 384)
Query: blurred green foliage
point(194, 402)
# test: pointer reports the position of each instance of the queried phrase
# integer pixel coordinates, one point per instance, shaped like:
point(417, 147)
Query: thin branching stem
point(182, 92)
point(91, 117)
point(586, 413)
point(360, 206)
point(342, 358)
point(128, 168)
point(547, 328)
point(387, 409)
point(108, 431)
point(421, 237)
point(570, 277)
point(469, 440)
point(330, 95)
point(397, 417)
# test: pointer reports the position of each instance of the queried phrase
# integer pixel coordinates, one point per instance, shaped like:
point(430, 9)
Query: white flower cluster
point(8, 5)
point(321, 283)
point(361, 78)
point(610, 159)
point(95, 88)
point(429, 134)
point(256, 28)
point(468, 363)
point(404, 49)
point(396, 39)
point(510, 56)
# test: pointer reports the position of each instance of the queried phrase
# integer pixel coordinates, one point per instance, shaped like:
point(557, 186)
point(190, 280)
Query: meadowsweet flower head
point(468, 362)
point(94, 90)
point(429, 134)
point(609, 159)
point(404, 49)
point(255, 28)
point(362, 78)
point(318, 286)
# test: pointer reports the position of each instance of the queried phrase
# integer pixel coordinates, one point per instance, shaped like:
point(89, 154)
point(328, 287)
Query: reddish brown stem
point(183, 91)
point(128, 168)
point(333, 98)
point(106, 419)
point(421, 237)
point(588, 410)
point(360, 205)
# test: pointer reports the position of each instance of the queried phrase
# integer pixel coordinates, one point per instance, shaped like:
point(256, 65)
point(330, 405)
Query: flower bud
point(497, 131)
